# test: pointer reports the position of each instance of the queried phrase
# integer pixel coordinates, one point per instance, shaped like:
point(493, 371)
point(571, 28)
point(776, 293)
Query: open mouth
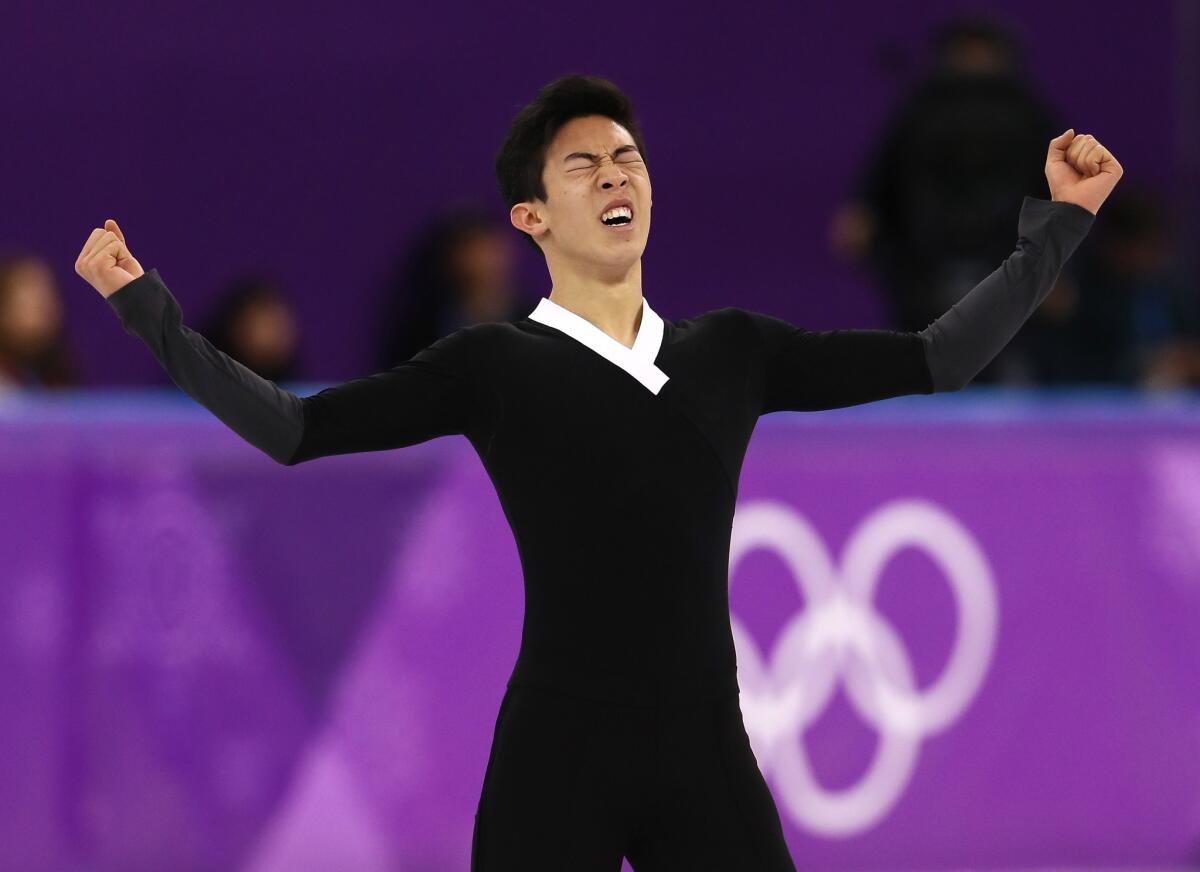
point(618, 218)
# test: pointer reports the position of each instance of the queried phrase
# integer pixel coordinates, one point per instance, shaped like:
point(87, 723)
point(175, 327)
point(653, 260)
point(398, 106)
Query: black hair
point(522, 156)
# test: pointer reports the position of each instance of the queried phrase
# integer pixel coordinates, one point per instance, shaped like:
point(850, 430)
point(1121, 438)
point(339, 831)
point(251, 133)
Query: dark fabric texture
point(967, 336)
point(574, 783)
point(265, 415)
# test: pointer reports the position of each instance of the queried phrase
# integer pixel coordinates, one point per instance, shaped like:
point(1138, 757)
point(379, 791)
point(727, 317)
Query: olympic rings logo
point(839, 636)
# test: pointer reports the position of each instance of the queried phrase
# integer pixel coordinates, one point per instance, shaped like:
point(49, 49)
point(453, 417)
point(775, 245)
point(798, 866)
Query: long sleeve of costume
point(807, 370)
point(428, 396)
point(966, 338)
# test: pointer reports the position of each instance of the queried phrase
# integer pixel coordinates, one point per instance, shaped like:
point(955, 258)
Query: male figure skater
point(614, 439)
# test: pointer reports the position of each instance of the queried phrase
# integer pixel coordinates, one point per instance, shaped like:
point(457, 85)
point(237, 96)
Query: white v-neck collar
point(637, 361)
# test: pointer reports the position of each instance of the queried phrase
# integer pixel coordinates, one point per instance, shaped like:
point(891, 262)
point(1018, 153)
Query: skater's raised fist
point(1080, 170)
point(105, 262)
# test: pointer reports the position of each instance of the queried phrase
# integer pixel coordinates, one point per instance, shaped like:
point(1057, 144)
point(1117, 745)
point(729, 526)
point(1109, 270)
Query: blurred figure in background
point(33, 348)
point(459, 272)
point(937, 207)
point(256, 326)
point(1131, 314)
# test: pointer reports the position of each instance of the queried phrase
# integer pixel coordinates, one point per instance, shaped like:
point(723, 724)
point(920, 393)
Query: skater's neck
point(610, 299)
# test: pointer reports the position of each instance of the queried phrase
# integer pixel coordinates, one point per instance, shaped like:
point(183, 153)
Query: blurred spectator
point(936, 210)
point(1131, 314)
point(459, 272)
point(33, 348)
point(255, 325)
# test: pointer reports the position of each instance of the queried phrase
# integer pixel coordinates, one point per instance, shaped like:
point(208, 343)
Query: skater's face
point(590, 163)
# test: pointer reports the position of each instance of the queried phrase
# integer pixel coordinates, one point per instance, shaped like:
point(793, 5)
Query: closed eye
point(635, 160)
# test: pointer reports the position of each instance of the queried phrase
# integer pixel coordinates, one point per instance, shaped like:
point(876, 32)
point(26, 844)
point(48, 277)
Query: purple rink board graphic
point(967, 632)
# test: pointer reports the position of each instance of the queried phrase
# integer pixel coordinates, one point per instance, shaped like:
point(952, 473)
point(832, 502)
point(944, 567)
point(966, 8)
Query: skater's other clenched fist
point(1081, 171)
point(105, 262)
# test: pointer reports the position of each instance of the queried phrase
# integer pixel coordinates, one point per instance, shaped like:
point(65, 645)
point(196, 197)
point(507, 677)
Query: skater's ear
point(528, 218)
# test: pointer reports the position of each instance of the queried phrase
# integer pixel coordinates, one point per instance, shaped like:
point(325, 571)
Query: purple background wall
point(312, 141)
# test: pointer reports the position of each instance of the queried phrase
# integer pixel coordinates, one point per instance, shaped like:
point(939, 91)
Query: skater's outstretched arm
point(960, 343)
point(807, 370)
point(427, 396)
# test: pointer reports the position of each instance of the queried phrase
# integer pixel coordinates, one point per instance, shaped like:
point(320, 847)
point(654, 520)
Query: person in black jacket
point(932, 211)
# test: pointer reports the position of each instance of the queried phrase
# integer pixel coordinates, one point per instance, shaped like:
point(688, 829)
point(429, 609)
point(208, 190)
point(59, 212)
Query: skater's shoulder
point(721, 321)
point(502, 334)
point(492, 341)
